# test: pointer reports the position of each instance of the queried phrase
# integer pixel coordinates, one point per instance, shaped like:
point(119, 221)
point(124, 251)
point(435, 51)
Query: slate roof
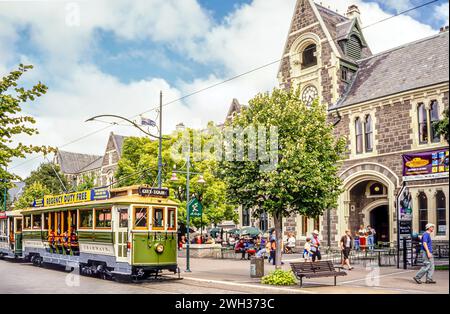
point(408, 67)
point(118, 140)
point(72, 163)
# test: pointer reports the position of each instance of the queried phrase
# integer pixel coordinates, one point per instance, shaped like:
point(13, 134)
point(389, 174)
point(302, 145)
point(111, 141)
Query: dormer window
point(309, 56)
point(354, 47)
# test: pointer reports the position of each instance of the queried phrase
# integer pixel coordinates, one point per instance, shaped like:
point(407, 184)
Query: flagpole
point(160, 142)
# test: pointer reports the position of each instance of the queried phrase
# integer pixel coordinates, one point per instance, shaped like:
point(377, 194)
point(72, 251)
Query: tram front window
point(103, 218)
point(123, 218)
point(141, 217)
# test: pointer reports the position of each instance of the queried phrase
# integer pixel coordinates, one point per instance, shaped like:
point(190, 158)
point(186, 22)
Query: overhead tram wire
point(226, 81)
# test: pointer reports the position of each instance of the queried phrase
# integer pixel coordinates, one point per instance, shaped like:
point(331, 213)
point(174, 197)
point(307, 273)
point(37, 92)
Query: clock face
point(310, 94)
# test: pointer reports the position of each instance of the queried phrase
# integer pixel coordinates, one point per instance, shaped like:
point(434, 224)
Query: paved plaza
point(227, 277)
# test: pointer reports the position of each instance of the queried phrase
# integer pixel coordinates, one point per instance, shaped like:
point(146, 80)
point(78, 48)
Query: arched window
point(441, 204)
point(423, 124)
point(309, 57)
point(423, 211)
point(369, 133)
point(359, 136)
point(434, 118)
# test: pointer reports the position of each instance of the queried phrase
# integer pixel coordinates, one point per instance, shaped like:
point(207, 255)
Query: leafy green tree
point(13, 123)
point(441, 127)
point(50, 176)
point(87, 183)
point(139, 164)
point(305, 180)
point(34, 191)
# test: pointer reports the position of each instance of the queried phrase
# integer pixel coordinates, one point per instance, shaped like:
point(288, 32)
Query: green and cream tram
point(11, 234)
point(128, 231)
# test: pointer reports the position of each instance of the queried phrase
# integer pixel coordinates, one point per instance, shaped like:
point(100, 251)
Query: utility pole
point(188, 216)
point(160, 142)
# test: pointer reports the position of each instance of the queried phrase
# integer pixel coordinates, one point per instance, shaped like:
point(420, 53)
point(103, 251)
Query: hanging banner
point(98, 194)
point(426, 165)
point(404, 214)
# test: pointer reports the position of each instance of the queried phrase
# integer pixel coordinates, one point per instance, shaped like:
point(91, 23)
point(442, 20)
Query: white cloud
point(441, 13)
point(252, 35)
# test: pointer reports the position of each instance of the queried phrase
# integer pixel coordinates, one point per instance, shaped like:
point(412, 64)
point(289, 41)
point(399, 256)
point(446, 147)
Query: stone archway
point(356, 203)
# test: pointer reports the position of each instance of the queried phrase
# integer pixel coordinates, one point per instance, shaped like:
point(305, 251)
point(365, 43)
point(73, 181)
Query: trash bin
point(257, 267)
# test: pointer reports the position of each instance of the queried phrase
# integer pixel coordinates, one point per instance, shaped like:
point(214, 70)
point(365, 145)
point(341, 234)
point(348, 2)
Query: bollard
point(257, 267)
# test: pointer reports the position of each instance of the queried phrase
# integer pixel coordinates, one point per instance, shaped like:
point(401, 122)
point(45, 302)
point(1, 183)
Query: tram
point(130, 231)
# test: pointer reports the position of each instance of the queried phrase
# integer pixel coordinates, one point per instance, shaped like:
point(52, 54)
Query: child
point(307, 250)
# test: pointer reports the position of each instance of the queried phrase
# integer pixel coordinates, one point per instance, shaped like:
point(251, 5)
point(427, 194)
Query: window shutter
point(354, 47)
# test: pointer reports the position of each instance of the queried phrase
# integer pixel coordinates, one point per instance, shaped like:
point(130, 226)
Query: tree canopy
point(13, 123)
point(441, 127)
point(139, 164)
point(305, 179)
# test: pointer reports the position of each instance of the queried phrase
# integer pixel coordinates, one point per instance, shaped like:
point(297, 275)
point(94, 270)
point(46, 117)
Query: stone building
point(76, 167)
point(384, 105)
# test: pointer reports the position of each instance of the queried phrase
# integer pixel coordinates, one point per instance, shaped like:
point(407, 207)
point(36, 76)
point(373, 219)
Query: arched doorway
point(379, 220)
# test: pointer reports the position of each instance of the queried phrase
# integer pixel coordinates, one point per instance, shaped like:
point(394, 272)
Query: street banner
point(98, 194)
point(195, 208)
point(426, 165)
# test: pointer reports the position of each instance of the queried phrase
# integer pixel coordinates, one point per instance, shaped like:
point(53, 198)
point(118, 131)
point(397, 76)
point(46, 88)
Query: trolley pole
point(160, 142)
point(188, 218)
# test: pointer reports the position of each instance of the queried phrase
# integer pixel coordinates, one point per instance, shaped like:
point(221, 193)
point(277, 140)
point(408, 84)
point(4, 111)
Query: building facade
point(384, 105)
point(77, 167)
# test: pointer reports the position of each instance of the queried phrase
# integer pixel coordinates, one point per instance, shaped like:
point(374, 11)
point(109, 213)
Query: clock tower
point(321, 51)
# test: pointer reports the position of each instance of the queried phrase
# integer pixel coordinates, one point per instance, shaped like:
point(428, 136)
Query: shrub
point(279, 278)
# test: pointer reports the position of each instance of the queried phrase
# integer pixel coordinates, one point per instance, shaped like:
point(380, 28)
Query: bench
point(316, 270)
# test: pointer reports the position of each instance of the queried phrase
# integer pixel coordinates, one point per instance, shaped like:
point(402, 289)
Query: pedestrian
point(428, 259)
point(315, 246)
point(370, 238)
point(268, 249)
point(240, 248)
point(417, 244)
point(290, 245)
point(346, 247)
point(182, 242)
point(307, 254)
point(362, 233)
point(273, 251)
point(356, 241)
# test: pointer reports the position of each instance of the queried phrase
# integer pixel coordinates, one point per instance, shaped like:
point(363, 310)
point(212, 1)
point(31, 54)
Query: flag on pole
point(149, 122)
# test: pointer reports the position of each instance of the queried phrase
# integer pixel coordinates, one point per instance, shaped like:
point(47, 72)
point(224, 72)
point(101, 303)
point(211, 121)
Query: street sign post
point(195, 208)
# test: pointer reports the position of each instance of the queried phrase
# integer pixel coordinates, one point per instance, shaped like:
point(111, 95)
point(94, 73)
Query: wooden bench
point(316, 270)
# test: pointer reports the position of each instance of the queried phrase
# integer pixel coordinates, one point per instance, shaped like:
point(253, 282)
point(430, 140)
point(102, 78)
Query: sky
point(115, 56)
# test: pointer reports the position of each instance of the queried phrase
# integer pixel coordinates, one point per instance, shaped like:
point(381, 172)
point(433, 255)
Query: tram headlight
point(159, 248)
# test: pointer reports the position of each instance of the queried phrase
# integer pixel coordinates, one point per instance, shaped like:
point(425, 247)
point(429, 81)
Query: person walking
point(370, 238)
point(346, 247)
point(428, 259)
point(315, 246)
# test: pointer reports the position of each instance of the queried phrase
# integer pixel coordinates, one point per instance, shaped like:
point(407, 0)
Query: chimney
point(180, 127)
point(353, 12)
point(443, 29)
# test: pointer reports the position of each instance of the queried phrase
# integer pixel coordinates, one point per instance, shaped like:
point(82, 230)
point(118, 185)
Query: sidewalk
point(235, 274)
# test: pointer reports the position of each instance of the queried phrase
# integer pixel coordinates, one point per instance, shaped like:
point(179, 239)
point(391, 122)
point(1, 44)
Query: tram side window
point(158, 218)
point(141, 217)
point(3, 227)
point(37, 221)
point(103, 218)
point(27, 222)
point(19, 225)
point(46, 221)
point(85, 221)
point(172, 218)
point(123, 218)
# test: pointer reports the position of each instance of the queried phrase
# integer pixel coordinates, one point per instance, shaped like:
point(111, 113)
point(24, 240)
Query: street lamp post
point(188, 196)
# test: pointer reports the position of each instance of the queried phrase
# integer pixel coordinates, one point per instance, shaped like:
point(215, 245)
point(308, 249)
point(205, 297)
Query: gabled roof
point(418, 64)
point(118, 142)
point(235, 107)
point(73, 163)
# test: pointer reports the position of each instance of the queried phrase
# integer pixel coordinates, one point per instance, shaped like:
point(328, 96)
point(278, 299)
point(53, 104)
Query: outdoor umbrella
point(233, 231)
point(250, 231)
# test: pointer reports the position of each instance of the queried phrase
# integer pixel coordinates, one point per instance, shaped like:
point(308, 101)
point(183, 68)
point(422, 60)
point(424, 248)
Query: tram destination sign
point(153, 192)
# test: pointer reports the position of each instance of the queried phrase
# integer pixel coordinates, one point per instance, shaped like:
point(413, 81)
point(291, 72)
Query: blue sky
point(103, 56)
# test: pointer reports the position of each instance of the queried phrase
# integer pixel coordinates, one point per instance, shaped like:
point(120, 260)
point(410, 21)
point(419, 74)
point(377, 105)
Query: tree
point(441, 127)
point(31, 193)
point(87, 183)
point(305, 179)
point(50, 176)
point(13, 123)
point(139, 164)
